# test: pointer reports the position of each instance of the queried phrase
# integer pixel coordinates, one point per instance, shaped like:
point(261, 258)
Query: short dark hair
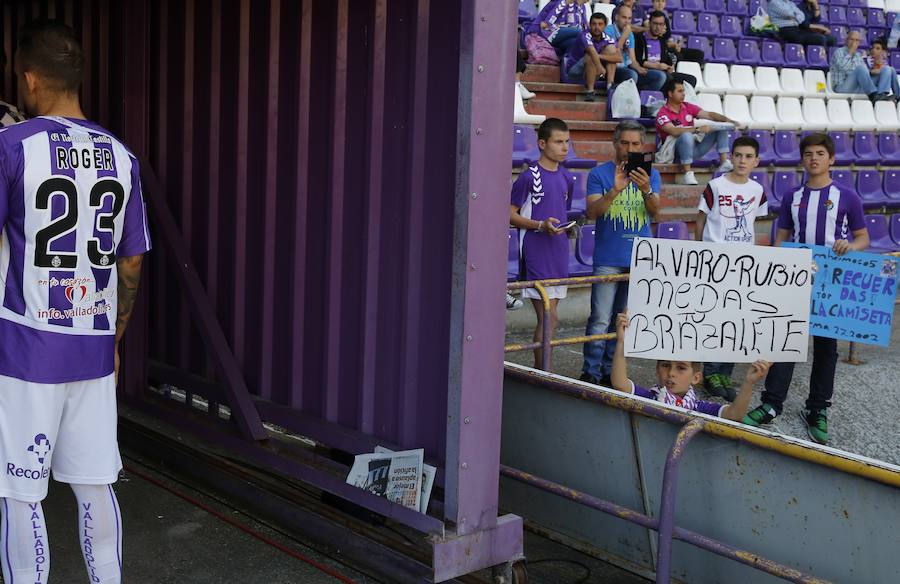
point(817, 139)
point(598, 16)
point(670, 86)
point(880, 41)
point(746, 141)
point(656, 14)
point(546, 129)
point(51, 49)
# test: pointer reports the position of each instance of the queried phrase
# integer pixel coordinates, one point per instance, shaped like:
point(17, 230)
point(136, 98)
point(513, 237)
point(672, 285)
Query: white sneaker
point(688, 178)
point(726, 166)
point(513, 303)
point(523, 91)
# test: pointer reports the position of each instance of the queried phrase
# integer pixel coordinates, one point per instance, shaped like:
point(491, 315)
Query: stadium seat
point(764, 137)
point(837, 14)
point(762, 177)
point(763, 114)
point(876, 19)
point(715, 6)
point(787, 147)
point(784, 182)
point(574, 161)
point(772, 54)
point(773, 230)
point(843, 147)
point(724, 51)
point(708, 24)
point(584, 251)
point(879, 234)
point(673, 230)
point(579, 196)
point(709, 102)
point(895, 229)
point(520, 116)
point(838, 114)
point(733, 27)
point(742, 81)
point(792, 82)
point(700, 43)
point(879, 4)
point(525, 149)
point(815, 115)
point(748, 52)
point(736, 7)
point(892, 184)
point(692, 68)
point(895, 59)
point(605, 8)
point(790, 113)
point(715, 78)
point(767, 82)
point(863, 113)
point(892, 5)
point(753, 5)
point(737, 108)
point(829, 93)
point(683, 22)
point(840, 33)
point(512, 255)
point(694, 6)
point(576, 268)
point(844, 177)
point(866, 148)
point(889, 148)
point(817, 57)
point(868, 187)
point(794, 56)
point(839, 2)
point(814, 83)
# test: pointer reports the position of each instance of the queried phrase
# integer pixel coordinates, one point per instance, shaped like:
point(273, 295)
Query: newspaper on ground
point(428, 473)
point(396, 476)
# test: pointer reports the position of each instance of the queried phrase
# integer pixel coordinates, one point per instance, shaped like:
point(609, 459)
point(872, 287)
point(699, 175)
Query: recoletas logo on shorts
point(40, 449)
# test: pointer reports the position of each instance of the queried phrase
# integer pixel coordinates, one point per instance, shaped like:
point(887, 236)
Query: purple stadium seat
point(715, 6)
point(843, 147)
point(868, 187)
point(736, 7)
point(895, 59)
point(700, 43)
point(584, 251)
point(724, 51)
point(765, 180)
point(817, 57)
point(672, 4)
point(774, 232)
point(892, 184)
point(895, 229)
point(733, 27)
point(525, 147)
point(527, 10)
point(876, 18)
point(794, 56)
point(840, 33)
point(748, 52)
point(574, 161)
point(695, 6)
point(874, 34)
point(579, 196)
point(512, 256)
point(708, 24)
point(839, 2)
point(753, 5)
point(890, 17)
point(787, 148)
point(879, 234)
point(576, 268)
point(772, 54)
point(784, 182)
point(766, 151)
point(889, 148)
point(866, 147)
point(837, 14)
point(673, 230)
point(683, 22)
point(844, 177)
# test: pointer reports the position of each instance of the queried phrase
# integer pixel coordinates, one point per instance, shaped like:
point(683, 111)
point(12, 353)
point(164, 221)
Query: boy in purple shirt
point(676, 380)
point(540, 196)
point(822, 213)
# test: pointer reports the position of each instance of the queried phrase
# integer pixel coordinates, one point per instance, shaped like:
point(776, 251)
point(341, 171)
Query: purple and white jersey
point(70, 204)
point(688, 401)
point(821, 216)
point(540, 194)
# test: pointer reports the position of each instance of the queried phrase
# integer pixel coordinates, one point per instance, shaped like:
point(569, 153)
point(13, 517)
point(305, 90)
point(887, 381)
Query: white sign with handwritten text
point(728, 303)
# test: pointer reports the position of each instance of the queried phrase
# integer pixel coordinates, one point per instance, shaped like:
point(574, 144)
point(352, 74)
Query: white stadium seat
point(814, 83)
point(790, 113)
point(742, 81)
point(886, 117)
point(892, 5)
point(792, 82)
point(839, 115)
point(737, 109)
point(767, 82)
point(605, 8)
point(520, 116)
point(691, 68)
point(715, 78)
point(762, 110)
point(708, 102)
point(863, 115)
point(815, 116)
point(879, 4)
point(829, 93)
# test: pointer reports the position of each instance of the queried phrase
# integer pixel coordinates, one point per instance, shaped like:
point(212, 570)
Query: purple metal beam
point(460, 555)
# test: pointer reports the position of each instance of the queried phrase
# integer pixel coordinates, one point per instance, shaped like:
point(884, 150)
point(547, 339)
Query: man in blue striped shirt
point(792, 25)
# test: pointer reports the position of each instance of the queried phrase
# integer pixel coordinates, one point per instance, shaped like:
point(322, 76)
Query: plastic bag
point(626, 101)
point(654, 104)
point(760, 23)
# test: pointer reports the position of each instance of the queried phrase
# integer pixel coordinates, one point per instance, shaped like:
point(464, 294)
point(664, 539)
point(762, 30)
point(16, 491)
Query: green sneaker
point(728, 384)
point(816, 424)
point(715, 385)
point(762, 414)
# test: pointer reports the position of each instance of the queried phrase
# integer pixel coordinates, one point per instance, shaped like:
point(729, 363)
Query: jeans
point(861, 81)
point(805, 37)
point(624, 74)
point(821, 379)
point(886, 79)
point(653, 80)
point(710, 368)
point(607, 300)
point(564, 38)
point(687, 146)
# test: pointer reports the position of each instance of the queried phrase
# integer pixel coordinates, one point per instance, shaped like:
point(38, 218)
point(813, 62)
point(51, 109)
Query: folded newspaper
point(401, 477)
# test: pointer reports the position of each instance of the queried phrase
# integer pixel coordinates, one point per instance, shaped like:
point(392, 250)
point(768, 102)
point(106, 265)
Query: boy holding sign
point(823, 213)
point(726, 213)
point(676, 380)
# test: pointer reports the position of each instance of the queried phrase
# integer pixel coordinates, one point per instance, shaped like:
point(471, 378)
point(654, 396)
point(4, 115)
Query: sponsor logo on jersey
point(40, 449)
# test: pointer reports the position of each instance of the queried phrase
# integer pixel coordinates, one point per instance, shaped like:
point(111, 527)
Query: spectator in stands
point(676, 381)
point(893, 40)
point(791, 24)
point(540, 197)
point(560, 22)
point(676, 44)
point(878, 67)
point(9, 114)
point(812, 21)
point(804, 218)
point(638, 15)
point(623, 206)
point(652, 50)
point(593, 55)
point(630, 68)
point(679, 135)
point(849, 73)
point(727, 211)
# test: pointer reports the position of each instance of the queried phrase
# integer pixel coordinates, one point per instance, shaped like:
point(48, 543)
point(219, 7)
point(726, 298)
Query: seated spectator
point(849, 73)
point(594, 55)
point(653, 53)
point(630, 68)
point(638, 15)
point(676, 45)
point(879, 69)
point(9, 114)
point(560, 22)
point(812, 21)
point(678, 134)
point(791, 24)
point(676, 381)
point(893, 40)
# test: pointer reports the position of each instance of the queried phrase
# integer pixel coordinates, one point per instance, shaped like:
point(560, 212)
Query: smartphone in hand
point(638, 160)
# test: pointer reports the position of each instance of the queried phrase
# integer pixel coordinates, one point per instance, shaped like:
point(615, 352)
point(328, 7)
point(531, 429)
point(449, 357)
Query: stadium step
point(561, 92)
point(541, 73)
point(568, 110)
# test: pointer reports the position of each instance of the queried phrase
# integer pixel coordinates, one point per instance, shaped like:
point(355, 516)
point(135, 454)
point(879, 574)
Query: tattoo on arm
point(129, 277)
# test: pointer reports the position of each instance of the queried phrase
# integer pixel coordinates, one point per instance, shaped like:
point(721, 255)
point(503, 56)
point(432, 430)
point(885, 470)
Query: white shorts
point(552, 292)
point(67, 427)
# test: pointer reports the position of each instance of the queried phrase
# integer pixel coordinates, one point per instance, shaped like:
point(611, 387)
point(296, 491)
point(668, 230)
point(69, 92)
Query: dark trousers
point(821, 379)
point(804, 36)
point(695, 55)
point(685, 78)
point(710, 368)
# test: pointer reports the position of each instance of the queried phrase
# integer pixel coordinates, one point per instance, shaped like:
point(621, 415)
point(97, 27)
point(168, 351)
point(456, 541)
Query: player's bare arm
point(129, 278)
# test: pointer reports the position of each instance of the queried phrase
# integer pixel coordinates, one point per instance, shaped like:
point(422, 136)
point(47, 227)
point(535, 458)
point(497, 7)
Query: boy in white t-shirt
point(727, 210)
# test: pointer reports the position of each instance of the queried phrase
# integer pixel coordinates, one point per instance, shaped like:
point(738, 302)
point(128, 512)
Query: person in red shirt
point(675, 126)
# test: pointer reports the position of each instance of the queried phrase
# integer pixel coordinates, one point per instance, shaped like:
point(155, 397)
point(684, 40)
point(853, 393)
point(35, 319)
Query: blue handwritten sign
point(852, 295)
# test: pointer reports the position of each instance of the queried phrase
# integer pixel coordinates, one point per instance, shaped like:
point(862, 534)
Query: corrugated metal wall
point(307, 149)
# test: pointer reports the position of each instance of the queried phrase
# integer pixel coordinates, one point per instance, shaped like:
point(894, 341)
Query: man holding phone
point(622, 198)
